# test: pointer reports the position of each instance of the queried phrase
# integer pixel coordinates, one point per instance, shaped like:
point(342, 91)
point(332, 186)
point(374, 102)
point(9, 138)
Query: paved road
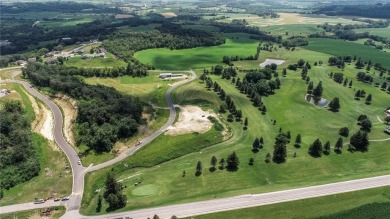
point(181, 210)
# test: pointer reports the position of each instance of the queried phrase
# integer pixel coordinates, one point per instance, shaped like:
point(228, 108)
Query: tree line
point(104, 115)
point(19, 158)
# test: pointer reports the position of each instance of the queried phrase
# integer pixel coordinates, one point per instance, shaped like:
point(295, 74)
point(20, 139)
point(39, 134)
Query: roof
point(162, 74)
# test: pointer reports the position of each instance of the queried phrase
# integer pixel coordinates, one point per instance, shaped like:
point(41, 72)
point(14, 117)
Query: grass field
point(353, 205)
point(198, 57)
point(340, 48)
point(52, 177)
point(383, 32)
point(108, 61)
point(292, 113)
point(65, 23)
point(292, 29)
point(56, 213)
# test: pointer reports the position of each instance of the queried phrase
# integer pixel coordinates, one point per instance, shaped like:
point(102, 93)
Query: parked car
point(39, 201)
point(56, 199)
point(65, 198)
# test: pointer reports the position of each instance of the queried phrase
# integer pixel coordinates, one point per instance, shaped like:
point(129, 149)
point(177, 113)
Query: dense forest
point(104, 115)
point(125, 43)
point(374, 11)
point(19, 159)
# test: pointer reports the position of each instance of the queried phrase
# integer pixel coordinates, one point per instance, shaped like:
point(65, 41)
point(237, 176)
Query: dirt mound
point(191, 119)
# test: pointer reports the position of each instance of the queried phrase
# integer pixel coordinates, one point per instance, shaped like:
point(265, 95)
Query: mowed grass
point(53, 177)
point(236, 45)
point(57, 212)
point(65, 23)
point(383, 32)
point(343, 206)
point(108, 61)
point(342, 48)
point(292, 113)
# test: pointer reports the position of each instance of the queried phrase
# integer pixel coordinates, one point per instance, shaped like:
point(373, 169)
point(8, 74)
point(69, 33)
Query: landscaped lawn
point(236, 45)
point(292, 113)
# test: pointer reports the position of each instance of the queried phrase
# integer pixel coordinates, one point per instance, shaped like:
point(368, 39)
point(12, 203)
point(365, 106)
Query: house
point(51, 61)
point(20, 62)
point(165, 75)
point(32, 59)
point(66, 38)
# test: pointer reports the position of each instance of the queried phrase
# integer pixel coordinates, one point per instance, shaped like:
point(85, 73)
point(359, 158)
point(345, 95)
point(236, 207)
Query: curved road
point(180, 210)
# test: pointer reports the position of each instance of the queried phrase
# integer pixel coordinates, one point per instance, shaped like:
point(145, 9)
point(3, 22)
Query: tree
point(156, 216)
point(246, 121)
point(218, 69)
point(284, 72)
point(366, 125)
point(315, 149)
point(222, 164)
point(261, 142)
point(301, 62)
point(361, 118)
point(199, 168)
point(310, 87)
point(113, 193)
point(360, 141)
point(268, 158)
point(232, 162)
point(263, 110)
point(384, 85)
point(256, 144)
point(317, 91)
point(368, 99)
point(99, 204)
point(334, 104)
point(327, 147)
point(222, 109)
point(339, 144)
point(357, 95)
point(280, 153)
point(350, 83)
point(344, 132)
point(298, 141)
point(213, 162)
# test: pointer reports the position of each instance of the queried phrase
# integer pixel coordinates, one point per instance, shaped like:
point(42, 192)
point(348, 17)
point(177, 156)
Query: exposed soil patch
point(271, 61)
point(69, 111)
point(191, 119)
point(168, 14)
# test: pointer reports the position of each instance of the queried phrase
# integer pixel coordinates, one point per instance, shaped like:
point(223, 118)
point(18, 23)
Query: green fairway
point(343, 48)
point(108, 61)
point(353, 205)
point(199, 57)
point(292, 113)
point(383, 32)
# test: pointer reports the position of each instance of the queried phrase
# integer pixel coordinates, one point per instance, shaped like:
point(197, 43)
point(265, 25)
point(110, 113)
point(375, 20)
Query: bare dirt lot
point(191, 119)
point(271, 61)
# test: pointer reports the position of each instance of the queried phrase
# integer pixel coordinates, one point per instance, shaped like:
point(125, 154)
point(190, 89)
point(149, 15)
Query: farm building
point(169, 75)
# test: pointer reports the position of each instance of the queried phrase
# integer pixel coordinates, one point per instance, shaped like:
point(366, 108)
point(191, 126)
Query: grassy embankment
point(56, 213)
point(52, 177)
point(293, 114)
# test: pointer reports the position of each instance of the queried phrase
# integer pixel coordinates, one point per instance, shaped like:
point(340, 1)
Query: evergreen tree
point(360, 141)
point(280, 153)
point(339, 144)
point(232, 161)
point(261, 142)
point(357, 95)
point(199, 168)
point(256, 144)
point(310, 87)
point(298, 141)
point(268, 158)
point(113, 193)
point(222, 164)
point(369, 99)
point(317, 91)
point(213, 162)
point(284, 72)
point(334, 104)
point(246, 121)
point(366, 125)
point(344, 132)
point(99, 204)
point(350, 83)
point(327, 147)
point(315, 149)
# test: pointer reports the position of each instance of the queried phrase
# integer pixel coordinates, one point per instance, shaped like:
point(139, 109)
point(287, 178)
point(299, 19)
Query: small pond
point(315, 101)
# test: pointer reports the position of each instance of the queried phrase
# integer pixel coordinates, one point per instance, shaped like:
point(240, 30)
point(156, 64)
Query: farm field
point(341, 48)
point(108, 61)
point(53, 177)
point(292, 29)
point(198, 57)
point(383, 32)
point(361, 204)
point(287, 106)
point(65, 23)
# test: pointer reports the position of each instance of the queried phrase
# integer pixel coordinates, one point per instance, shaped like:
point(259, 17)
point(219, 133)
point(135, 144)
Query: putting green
point(145, 190)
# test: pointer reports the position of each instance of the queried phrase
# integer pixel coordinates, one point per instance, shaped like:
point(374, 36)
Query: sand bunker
point(191, 119)
point(271, 61)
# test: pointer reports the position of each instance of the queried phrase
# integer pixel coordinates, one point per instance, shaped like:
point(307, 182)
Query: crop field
point(292, 29)
point(199, 57)
point(52, 176)
point(371, 203)
point(341, 48)
point(292, 113)
point(98, 62)
point(383, 32)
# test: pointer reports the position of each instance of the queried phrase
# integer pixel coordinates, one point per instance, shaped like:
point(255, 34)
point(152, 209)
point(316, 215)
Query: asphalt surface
point(180, 210)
